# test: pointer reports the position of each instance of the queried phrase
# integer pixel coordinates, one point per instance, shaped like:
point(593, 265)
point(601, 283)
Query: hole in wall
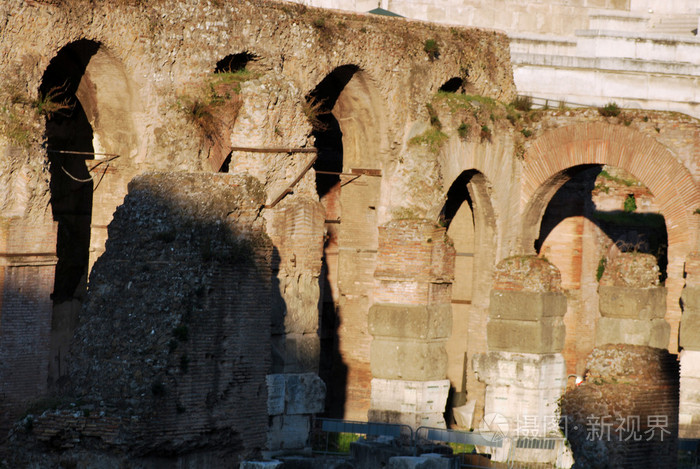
point(235, 62)
point(453, 85)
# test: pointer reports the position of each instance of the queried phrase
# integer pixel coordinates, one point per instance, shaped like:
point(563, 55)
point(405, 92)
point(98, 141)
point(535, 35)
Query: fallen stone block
point(526, 370)
point(299, 393)
point(288, 432)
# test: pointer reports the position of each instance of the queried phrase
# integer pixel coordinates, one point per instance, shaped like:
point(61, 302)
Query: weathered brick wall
point(27, 263)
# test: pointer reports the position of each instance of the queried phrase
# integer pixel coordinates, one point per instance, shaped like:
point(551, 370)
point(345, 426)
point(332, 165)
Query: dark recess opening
point(326, 130)
point(329, 145)
point(630, 231)
point(234, 62)
point(453, 85)
point(71, 186)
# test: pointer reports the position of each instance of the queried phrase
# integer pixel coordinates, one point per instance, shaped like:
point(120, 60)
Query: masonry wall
point(27, 263)
point(173, 346)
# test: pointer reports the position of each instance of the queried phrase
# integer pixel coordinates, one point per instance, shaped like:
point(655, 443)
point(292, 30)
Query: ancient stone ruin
point(221, 220)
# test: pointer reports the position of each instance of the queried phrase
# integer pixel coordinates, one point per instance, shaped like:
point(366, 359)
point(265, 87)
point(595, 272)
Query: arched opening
point(587, 222)
point(674, 188)
point(346, 125)
point(471, 225)
point(89, 124)
point(69, 140)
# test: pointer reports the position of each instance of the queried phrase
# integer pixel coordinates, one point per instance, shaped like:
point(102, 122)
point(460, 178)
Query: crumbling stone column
point(524, 370)
point(410, 322)
point(631, 302)
point(689, 340)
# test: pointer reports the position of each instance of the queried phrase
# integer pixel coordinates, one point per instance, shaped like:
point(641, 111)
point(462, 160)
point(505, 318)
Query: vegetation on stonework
point(610, 110)
point(602, 263)
point(624, 181)
point(630, 204)
point(312, 110)
point(216, 96)
point(50, 104)
point(403, 213)
point(430, 46)
point(19, 115)
point(434, 137)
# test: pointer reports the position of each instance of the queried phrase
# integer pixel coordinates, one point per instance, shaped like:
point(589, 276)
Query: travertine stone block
point(413, 420)
point(409, 396)
point(410, 321)
point(543, 336)
point(691, 299)
point(632, 303)
point(689, 337)
point(527, 370)
point(410, 360)
point(652, 333)
point(298, 393)
point(526, 305)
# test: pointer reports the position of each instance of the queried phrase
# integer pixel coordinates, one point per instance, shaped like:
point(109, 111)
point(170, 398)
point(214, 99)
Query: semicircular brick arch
point(552, 159)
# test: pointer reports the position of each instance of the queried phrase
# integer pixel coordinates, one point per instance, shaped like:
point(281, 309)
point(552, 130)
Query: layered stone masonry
point(524, 370)
point(632, 304)
point(410, 323)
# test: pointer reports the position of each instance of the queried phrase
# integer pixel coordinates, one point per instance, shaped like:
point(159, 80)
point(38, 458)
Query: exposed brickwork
point(625, 413)
point(27, 264)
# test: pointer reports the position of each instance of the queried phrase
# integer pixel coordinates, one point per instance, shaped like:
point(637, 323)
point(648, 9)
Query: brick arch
point(557, 155)
point(551, 157)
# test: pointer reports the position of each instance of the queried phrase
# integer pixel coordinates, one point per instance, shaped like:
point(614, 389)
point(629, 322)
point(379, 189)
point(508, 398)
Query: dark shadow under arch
point(470, 188)
point(69, 144)
point(642, 232)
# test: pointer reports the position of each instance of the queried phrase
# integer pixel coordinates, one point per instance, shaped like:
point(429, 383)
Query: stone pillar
point(27, 268)
point(689, 340)
point(295, 391)
point(410, 322)
point(632, 304)
point(524, 370)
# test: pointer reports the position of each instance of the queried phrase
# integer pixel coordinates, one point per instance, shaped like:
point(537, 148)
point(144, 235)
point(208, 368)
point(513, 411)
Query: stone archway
point(91, 128)
point(547, 168)
point(345, 111)
point(470, 220)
